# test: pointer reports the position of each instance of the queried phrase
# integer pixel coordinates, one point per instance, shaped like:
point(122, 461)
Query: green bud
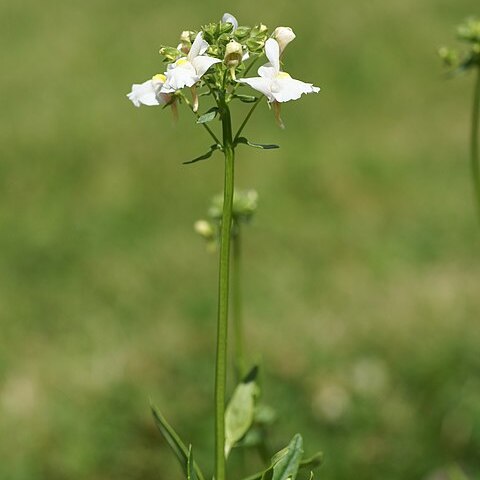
point(242, 32)
point(449, 56)
point(213, 51)
point(204, 229)
point(225, 28)
point(469, 31)
point(170, 53)
point(255, 44)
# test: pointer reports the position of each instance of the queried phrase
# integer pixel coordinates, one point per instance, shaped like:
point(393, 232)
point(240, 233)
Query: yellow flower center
point(160, 77)
point(181, 62)
point(283, 75)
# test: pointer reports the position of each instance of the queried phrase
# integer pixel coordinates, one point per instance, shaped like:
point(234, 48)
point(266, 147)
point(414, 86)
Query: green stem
point(247, 118)
point(474, 160)
point(223, 293)
point(237, 304)
point(204, 125)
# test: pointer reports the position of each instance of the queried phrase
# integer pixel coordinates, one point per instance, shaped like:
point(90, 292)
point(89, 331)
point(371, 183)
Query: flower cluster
point(217, 59)
point(244, 206)
point(469, 33)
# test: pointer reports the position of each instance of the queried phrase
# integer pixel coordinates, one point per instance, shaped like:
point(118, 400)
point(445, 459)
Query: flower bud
point(449, 56)
point(204, 229)
point(283, 36)
point(233, 54)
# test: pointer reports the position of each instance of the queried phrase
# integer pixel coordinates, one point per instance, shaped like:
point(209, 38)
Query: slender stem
point(205, 126)
point(237, 303)
point(223, 293)
point(247, 118)
point(474, 160)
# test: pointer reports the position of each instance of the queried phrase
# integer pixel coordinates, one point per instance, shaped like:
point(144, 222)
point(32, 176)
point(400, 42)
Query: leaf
point(255, 145)
point(312, 462)
point(205, 155)
point(191, 475)
point(286, 462)
point(175, 443)
point(245, 98)
point(208, 116)
point(240, 411)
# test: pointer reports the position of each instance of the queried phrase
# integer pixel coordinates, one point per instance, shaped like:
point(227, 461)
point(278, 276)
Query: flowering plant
point(215, 61)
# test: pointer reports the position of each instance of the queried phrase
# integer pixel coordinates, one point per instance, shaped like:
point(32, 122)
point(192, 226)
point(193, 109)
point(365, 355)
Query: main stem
point(223, 293)
point(474, 160)
point(237, 304)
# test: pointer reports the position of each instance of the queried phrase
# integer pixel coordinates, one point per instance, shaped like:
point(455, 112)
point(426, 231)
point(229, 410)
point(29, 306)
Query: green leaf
point(175, 443)
point(208, 116)
point(312, 462)
point(255, 145)
point(205, 155)
point(246, 98)
point(191, 475)
point(286, 462)
point(240, 411)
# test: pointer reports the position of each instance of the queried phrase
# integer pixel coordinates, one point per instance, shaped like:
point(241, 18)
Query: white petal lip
point(260, 84)
point(147, 93)
point(272, 51)
point(291, 89)
point(229, 18)
point(199, 47)
point(202, 63)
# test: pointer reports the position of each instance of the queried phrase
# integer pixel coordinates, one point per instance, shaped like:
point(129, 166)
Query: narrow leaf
point(245, 98)
point(208, 116)
point(204, 156)
point(240, 411)
point(174, 442)
point(256, 145)
point(191, 475)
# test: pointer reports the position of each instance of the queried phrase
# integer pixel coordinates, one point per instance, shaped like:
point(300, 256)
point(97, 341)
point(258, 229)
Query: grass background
point(361, 269)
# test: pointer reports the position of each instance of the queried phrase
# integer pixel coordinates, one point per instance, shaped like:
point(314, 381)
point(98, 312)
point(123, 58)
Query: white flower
point(229, 18)
point(276, 85)
point(149, 92)
point(187, 71)
point(283, 36)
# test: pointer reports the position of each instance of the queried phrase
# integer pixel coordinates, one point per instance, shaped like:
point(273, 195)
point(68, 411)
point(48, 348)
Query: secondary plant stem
point(237, 304)
point(474, 160)
point(223, 293)
point(247, 118)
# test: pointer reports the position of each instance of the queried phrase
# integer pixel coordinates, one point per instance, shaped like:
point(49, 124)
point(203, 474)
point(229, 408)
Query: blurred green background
point(361, 268)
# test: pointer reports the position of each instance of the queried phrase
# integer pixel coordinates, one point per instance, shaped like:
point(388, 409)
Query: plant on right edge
point(469, 32)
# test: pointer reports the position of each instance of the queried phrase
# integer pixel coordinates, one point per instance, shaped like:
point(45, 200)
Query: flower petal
point(291, 89)
point(181, 74)
point(143, 94)
point(229, 18)
point(199, 47)
point(267, 71)
point(203, 63)
point(260, 84)
point(272, 51)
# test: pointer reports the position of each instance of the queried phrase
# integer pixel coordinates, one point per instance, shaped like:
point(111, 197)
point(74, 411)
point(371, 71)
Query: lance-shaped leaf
point(205, 155)
point(183, 455)
point(245, 98)
point(287, 462)
point(208, 116)
point(191, 474)
point(240, 411)
point(255, 145)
